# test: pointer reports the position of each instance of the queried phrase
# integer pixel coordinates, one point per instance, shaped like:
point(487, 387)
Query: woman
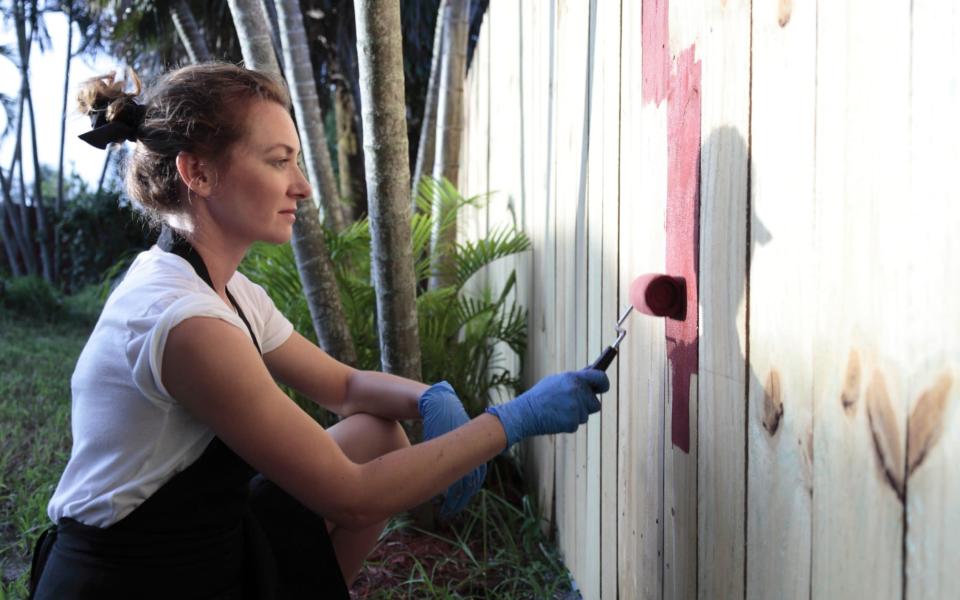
point(192, 474)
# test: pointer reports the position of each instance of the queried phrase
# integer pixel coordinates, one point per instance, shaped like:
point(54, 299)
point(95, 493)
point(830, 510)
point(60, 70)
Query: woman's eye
point(282, 162)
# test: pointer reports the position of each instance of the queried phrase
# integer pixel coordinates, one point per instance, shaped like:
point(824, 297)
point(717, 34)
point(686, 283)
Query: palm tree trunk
point(58, 207)
point(8, 230)
point(344, 115)
point(449, 131)
point(42, 229)
point(16, 217)
point(388, 183)
point(24, 46)
point(426, 150)
point(303, 92)
point(25, 223)
point(250, 20)
point(189, 33)
point(309, 245)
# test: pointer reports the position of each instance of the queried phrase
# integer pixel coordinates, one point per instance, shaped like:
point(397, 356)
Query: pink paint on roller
point(659, 295)
point(683, 232)
point(655, 60)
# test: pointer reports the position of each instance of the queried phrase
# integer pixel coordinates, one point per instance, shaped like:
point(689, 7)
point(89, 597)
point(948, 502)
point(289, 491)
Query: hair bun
point(114, 115)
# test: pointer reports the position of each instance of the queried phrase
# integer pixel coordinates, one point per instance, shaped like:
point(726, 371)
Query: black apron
point(215, 530)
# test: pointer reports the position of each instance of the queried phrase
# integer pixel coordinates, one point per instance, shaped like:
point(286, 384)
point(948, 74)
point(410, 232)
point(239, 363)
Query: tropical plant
point(460, 334)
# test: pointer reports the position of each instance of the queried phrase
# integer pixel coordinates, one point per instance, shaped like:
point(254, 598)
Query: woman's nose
point(301, 187)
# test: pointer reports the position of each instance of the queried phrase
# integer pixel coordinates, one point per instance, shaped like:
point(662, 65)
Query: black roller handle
point(604, 360)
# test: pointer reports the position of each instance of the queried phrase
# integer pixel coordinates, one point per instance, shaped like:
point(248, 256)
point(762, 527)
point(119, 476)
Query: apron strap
point(171, 241)
point(41, 551)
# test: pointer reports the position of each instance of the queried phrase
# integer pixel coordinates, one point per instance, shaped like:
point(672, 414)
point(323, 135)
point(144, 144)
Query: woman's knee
point(364, 437)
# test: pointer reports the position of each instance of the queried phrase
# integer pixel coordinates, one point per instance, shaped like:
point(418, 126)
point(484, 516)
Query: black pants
point(197, 537)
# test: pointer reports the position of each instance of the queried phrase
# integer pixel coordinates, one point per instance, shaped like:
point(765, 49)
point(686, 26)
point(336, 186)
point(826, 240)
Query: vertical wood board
point(721, 482)
point(862, 171)
point(779, 417)
point(603, 180)
point(537, 109)
point(640, 383)
point(932, 350)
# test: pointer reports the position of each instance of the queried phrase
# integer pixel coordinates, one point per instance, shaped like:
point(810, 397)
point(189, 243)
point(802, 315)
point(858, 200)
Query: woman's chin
point(278, 238)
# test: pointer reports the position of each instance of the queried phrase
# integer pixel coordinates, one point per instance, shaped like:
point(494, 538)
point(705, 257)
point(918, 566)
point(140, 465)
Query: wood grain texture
point(931, 351)
point(538, 123)
point(681, 223)
point(721, 485)
point(862, 176)
point(572, 121)
point(779, 377)
point(505, 203)
point(643, 160)
point(605, 306)
point(590, 577)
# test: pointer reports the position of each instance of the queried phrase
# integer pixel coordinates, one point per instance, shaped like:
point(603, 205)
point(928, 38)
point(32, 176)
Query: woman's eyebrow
point(288, 148)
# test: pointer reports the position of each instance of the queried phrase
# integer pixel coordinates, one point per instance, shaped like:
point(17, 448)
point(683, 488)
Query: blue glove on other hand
point(557, 404)
point(442, 411)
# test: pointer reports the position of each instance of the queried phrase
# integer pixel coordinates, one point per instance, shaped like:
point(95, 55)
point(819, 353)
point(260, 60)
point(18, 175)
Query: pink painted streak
point(683, 231)
point(654, 29)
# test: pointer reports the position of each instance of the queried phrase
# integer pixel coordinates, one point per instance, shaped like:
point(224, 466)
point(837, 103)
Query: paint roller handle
point(603, 361)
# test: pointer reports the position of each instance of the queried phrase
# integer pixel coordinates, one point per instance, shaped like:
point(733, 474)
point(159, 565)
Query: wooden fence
point(798, 434)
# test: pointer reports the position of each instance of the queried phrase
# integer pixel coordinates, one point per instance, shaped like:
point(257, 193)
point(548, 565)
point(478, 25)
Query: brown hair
point(198, 109)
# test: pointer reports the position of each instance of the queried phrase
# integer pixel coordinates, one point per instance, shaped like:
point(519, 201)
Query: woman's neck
point(220, 255)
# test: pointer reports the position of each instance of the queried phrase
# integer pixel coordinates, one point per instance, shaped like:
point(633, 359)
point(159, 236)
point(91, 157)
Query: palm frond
point(472, 256)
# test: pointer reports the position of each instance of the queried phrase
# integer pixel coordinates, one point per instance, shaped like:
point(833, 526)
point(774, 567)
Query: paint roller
point(653, 294)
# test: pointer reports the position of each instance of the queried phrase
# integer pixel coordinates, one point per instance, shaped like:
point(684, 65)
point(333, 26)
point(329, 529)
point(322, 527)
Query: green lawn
point(36, 361)
point(493, 550)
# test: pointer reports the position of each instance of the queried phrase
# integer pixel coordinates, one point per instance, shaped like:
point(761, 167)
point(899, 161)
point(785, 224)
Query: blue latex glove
point(442, 411)
point(557, 404)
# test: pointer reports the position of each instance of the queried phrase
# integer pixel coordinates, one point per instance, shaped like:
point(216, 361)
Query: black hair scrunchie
point(125, 126)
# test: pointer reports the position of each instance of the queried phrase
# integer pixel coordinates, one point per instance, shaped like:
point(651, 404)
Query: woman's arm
point(303, 366)
point(226, 385)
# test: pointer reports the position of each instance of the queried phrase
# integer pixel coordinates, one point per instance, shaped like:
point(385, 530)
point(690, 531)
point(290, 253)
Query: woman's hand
point(557, 404)
point(442, 411)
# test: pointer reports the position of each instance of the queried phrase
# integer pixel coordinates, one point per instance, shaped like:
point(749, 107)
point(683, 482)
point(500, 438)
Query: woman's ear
point(197, 174)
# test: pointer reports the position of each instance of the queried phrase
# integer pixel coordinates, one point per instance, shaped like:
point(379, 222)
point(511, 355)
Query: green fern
point(461, 336)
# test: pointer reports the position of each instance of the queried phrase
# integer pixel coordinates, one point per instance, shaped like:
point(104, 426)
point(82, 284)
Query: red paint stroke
point(655, 36)
point(683, 231)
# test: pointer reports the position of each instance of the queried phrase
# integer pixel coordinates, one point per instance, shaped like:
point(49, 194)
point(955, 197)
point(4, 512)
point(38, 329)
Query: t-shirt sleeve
point(148, 338)
point(274, 328)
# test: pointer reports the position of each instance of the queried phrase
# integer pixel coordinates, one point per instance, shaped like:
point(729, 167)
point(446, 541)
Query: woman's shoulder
point(155, 280)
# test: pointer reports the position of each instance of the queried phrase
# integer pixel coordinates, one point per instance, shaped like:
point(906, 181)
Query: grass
point(494, 549)
point(36, 361)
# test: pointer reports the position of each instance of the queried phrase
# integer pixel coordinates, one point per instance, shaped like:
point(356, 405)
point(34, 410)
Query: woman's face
point(257, 190)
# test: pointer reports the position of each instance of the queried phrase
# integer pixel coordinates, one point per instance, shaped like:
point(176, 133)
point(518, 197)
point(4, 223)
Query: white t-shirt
point(129, 435)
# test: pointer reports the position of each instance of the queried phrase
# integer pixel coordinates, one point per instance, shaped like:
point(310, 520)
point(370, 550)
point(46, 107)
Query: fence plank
point(505, 204)
point(779, 415)
point(590, 447)
point(572, 29)
point(603, 234)
point(933, 489)
point(540, 452)
point(683, 102)
point(862, 174)
point(640, 388)
point(723, 189)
